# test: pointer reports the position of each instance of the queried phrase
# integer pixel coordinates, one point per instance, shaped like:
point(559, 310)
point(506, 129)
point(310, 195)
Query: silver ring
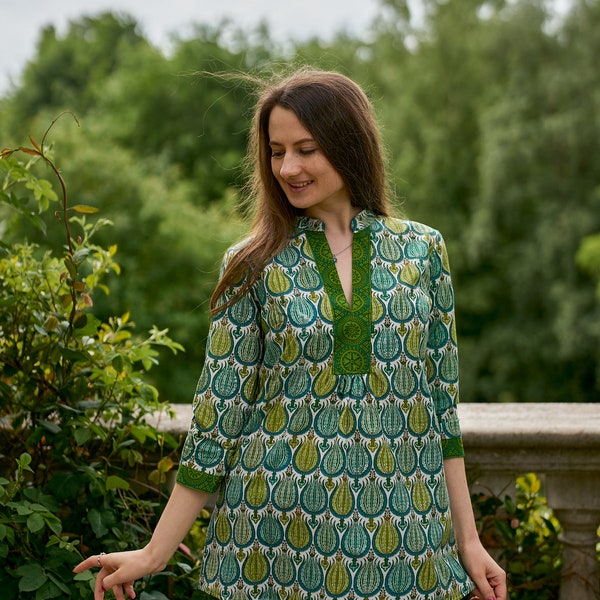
point(100, 559)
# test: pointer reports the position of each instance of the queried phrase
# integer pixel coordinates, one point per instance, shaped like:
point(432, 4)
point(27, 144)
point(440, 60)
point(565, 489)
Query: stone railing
point(560, 442)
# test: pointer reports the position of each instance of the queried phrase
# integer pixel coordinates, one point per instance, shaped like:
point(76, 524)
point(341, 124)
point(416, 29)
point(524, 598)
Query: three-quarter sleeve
point(225, 393)
point(442, 349)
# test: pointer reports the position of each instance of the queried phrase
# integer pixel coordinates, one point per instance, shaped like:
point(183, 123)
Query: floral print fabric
point(324, 426)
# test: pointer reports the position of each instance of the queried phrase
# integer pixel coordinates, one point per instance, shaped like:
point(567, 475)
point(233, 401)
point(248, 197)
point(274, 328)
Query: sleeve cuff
point(198, 480)
point(453, 448)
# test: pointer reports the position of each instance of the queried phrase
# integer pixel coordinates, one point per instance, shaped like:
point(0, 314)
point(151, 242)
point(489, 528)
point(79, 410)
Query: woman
point(325, 415)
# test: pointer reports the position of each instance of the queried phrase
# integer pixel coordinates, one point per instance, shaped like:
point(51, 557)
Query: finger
point(115, 581)
point(129, 590)
point(88, 563)
point(117, 590)
point(498, 585)
point(99, 588)
point(484, 590)
point(500, 592)
point(103, 580)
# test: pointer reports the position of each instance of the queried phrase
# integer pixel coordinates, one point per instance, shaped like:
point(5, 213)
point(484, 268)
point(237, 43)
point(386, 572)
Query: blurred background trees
point(491, 121)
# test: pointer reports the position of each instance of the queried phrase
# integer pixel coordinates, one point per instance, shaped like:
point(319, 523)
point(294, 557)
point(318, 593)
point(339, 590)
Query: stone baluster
point(561, 444)
point(575, 499)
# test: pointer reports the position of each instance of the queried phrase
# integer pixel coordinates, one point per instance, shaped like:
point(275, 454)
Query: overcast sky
point(22, 21)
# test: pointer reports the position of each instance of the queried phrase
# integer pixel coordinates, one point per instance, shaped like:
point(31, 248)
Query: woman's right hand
point(118, 571)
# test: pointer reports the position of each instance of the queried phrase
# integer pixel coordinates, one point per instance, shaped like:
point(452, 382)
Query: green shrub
point(82, 467)
point(523, 532)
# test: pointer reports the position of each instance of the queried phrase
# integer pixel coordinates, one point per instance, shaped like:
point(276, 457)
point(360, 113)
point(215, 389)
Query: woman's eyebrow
point(296, 143)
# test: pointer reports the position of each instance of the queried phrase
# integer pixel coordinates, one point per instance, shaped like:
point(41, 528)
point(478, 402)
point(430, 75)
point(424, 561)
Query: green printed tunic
point(324, 427)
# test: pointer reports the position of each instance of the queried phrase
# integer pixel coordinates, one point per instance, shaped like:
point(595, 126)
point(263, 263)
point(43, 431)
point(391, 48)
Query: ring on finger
point(100, 559)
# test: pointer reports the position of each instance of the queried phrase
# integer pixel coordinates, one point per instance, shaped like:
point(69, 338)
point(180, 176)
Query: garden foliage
point(82, 466)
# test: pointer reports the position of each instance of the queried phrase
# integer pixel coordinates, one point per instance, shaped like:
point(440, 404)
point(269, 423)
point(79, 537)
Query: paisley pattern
point(324, 427)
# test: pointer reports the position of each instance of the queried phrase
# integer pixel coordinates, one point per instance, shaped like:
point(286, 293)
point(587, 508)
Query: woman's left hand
point(487, 575)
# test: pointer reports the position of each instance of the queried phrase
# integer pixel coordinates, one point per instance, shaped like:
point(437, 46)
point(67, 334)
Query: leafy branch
point(75, 403)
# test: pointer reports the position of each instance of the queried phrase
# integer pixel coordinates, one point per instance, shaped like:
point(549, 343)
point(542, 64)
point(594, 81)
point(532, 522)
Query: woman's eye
point(301, 152)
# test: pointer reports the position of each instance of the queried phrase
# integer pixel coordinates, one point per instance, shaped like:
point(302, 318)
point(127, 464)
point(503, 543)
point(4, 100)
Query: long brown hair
point(338, 114)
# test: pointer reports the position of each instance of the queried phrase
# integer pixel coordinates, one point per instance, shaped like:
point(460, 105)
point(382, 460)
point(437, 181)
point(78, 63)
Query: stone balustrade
point(560, 442)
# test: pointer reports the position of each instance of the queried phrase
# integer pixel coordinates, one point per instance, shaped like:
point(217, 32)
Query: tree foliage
point(494, 140)
point(489, 113)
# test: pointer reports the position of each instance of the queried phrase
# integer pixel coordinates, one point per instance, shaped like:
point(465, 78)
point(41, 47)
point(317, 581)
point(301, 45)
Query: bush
point(82, 467)
point(524, 534)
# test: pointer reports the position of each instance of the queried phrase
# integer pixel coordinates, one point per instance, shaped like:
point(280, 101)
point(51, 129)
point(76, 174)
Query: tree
point(491, 136)
point(538, 201)
point(68, 73)
point(180, 110)
point(490, 144)
point(163, 184)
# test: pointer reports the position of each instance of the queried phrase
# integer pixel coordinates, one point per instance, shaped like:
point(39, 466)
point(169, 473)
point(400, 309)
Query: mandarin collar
point(360, 221)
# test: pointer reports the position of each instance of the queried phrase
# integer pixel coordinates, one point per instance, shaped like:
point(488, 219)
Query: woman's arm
point(489, 578)
point(119, 570)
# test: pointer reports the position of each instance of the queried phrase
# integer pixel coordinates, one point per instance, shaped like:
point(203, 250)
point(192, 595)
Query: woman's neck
point(338, 221)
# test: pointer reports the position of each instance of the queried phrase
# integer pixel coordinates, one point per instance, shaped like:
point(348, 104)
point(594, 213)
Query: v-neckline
point(352, 324)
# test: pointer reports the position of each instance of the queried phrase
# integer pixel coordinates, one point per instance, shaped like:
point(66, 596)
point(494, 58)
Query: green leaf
point(24, 461)
point(59, 584)
point(80, 320)
point(71, 267)
point(54, 523)
point(96, 523)
point(113, 482)
point(85, 209)
point(85, 576)
point(38, 507)
point(35, 522)
point(32, 577)
point(47, 591)
point(22, 509)
point(82, 435)
point(139, 433)
point(80, 255)
point(90, 328)
point(50, 426)
point(73, 355)
point(118, 363)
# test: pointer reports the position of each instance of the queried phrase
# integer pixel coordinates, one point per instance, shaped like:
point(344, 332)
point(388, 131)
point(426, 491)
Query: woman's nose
point(290, 165)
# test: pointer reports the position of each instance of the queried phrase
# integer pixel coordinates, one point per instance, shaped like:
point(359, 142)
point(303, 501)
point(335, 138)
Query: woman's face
point(308, 179)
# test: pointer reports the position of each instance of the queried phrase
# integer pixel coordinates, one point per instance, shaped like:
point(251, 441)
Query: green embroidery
point(198, 480)
point(352, 326)
point(452, 448)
